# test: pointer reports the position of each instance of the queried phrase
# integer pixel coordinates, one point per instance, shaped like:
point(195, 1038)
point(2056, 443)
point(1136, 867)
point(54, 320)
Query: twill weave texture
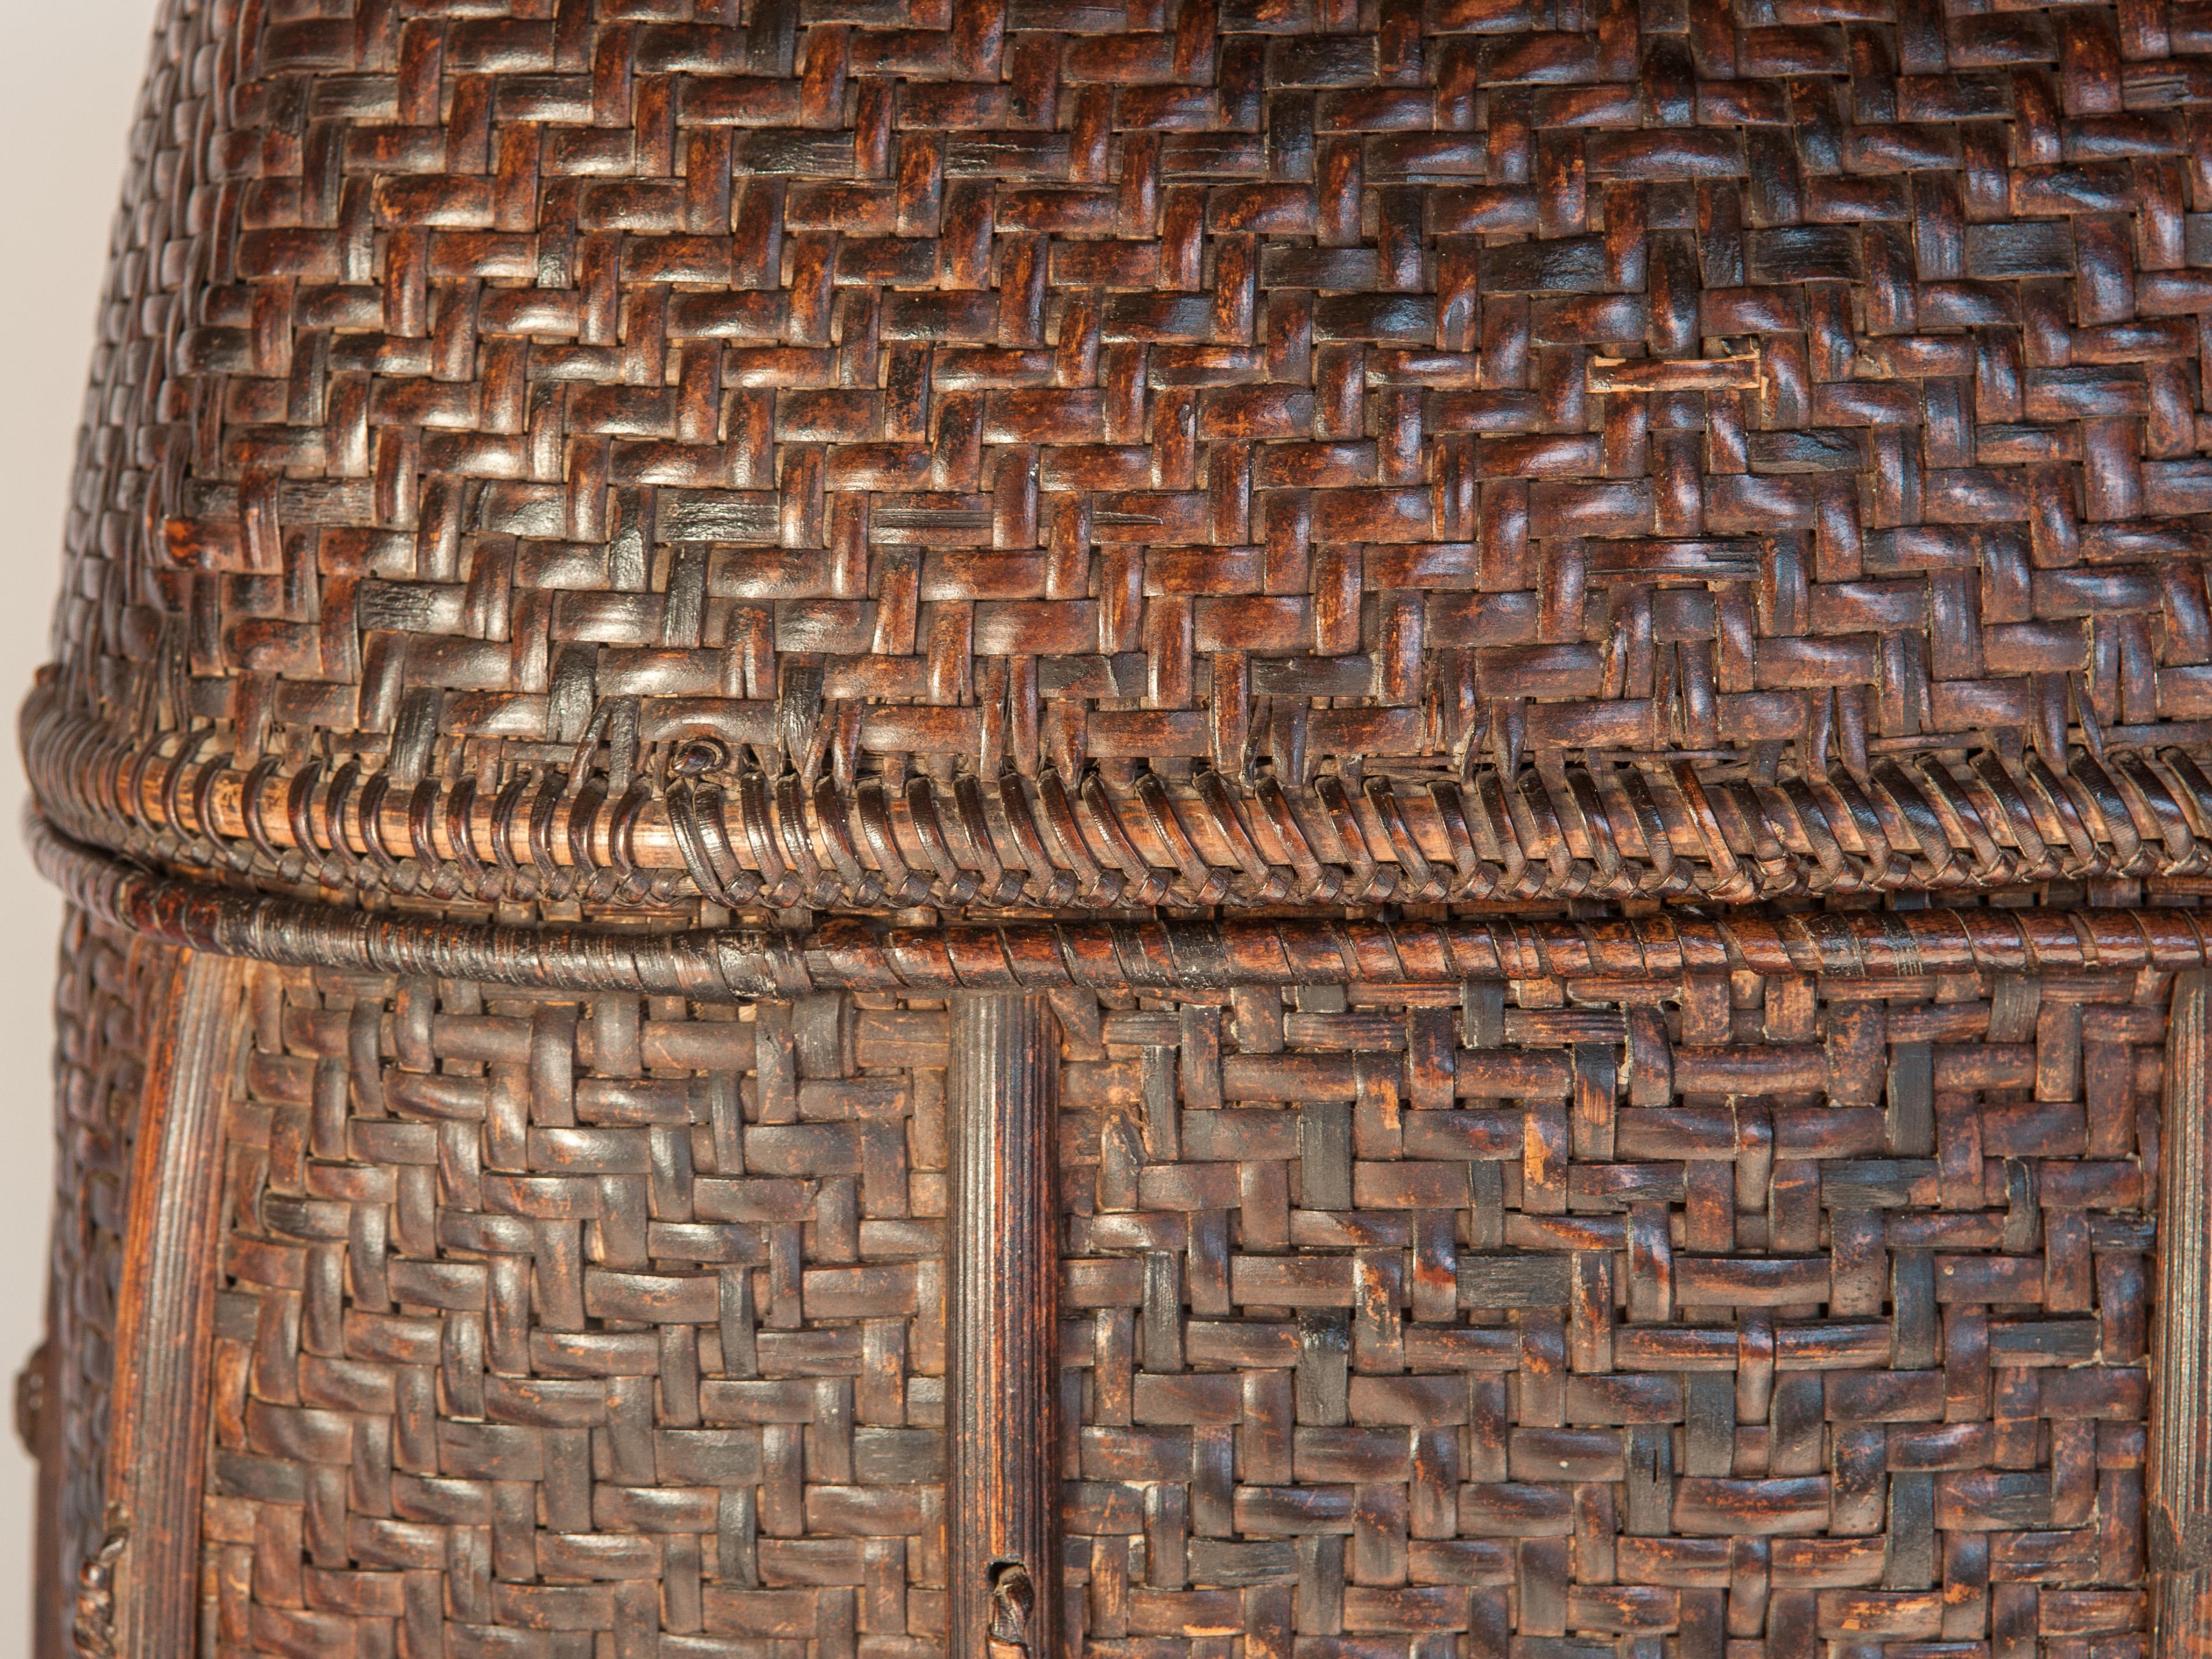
point(803, 457)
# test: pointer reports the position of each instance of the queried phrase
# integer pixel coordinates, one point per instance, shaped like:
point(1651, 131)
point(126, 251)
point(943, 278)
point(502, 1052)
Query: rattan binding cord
point(1590, 829)
point(1077, 459)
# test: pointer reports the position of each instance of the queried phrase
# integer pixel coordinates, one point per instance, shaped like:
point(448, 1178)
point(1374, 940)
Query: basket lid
point(1242, 465)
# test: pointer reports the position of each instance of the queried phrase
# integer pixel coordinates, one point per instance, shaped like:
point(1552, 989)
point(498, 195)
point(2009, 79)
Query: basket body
point(862, 794)
point(1707, 1307)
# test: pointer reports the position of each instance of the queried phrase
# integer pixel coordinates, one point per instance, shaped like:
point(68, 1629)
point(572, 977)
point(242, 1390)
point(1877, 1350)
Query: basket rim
point(726, 830)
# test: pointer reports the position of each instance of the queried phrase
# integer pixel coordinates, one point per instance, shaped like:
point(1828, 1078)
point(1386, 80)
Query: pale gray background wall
point(71, 80)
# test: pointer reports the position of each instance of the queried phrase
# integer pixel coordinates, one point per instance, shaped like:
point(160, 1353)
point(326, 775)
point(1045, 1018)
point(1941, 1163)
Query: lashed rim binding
point(723, 828)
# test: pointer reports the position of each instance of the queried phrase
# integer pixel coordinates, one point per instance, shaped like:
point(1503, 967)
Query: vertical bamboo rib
point(1003, 1367)
point(2181, 1415)
point(165, 1321)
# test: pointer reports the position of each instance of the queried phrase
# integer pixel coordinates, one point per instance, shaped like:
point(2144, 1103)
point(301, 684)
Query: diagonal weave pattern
point(564, 461)
point(1683, 1312)
point(502, 412)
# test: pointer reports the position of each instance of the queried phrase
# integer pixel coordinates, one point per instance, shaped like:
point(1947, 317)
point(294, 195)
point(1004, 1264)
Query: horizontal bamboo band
point(856, 955)
point(720, 828)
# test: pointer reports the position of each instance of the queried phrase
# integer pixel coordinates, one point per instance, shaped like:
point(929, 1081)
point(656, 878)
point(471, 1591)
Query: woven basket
point(1238, 830)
